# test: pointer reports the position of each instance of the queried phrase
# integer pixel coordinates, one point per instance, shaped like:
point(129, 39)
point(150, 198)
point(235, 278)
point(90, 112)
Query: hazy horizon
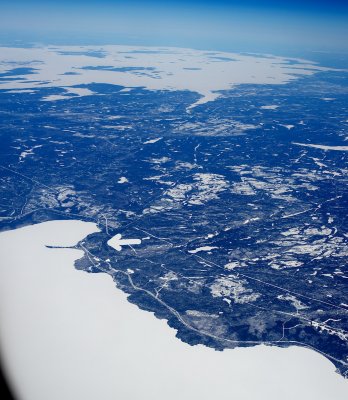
point(289, 28)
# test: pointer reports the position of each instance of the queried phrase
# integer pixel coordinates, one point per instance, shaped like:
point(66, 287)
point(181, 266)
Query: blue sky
point(276, 26)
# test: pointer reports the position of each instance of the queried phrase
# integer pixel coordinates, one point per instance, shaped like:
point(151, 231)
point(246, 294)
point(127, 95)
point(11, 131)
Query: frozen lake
point(66, 334)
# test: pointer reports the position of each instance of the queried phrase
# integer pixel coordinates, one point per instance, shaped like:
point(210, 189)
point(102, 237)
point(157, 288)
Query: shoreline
point(76, 332)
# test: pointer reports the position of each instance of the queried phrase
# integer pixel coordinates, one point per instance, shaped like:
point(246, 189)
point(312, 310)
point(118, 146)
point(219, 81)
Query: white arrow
point(116, 242)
